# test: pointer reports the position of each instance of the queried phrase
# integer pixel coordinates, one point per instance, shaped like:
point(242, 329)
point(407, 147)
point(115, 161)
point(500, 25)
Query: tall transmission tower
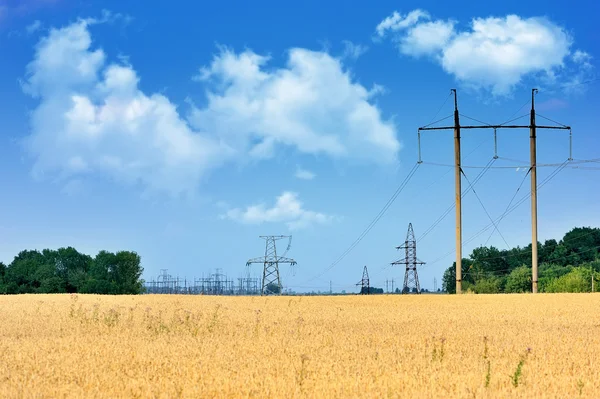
point(411, 278)
point(364, 282)
point(271, 280)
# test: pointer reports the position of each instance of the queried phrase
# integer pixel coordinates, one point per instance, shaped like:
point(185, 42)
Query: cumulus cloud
point(304, 174)
point(287, 209)
point(493, 53)
point(92, 116)
point(311, 104)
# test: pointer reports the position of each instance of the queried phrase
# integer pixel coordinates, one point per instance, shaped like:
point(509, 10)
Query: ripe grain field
point(342, 347)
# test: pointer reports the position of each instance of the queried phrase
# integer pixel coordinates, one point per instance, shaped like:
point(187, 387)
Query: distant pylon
point(411, 278)
point(364, 282)
point(271, 281)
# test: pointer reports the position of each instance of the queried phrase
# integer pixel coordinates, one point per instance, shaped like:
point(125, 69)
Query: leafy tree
point(548, 272)
point(127, 272)
point(582, 241)
point(546, 250)
point(273, 288)
point(488, 259)
point(577, 280)
point(493, 285)
point(560, 256)
point(519, 280)
point(52, 285)
point(67, 270)
point(449, 277)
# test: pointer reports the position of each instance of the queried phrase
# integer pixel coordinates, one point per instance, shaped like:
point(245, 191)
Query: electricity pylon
point(271, 281)
point(411, 278)
point(364, 282)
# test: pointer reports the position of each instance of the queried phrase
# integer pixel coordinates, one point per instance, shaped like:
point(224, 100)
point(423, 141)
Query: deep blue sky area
point(185, 130)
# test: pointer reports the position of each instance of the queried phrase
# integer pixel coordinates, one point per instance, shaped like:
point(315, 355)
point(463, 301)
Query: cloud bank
point(493, 53)
point(93, 118)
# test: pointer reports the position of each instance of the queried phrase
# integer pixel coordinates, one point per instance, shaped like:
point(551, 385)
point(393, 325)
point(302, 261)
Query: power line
point(371, 225)
point(509, 204)
point(523, 165)
point(449, 209)
point(486, 212)
point(440, 108)
point(551, 120)
point(508, 211)
point(511, 255)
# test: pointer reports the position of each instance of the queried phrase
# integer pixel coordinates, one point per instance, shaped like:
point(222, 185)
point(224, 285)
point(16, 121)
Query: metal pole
point(495, 145)
point(419, 140)
point(534, 238)
point(570, 145)
point(457, 178)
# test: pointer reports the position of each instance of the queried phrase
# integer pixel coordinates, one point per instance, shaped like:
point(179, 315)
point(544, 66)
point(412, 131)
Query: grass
point(171, 346)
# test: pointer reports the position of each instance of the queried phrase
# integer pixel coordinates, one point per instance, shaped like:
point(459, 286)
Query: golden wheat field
point(469, 346)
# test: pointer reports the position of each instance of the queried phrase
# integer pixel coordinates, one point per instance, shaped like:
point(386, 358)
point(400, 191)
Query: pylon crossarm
point(256, 260)
point(281, 259)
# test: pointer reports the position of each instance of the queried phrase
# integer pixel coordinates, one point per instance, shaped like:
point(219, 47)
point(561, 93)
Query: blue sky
point(185, 131)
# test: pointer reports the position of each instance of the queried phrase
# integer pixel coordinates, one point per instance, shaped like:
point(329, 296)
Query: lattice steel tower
point(411, 278)
point(271, 281)
point(364, 282)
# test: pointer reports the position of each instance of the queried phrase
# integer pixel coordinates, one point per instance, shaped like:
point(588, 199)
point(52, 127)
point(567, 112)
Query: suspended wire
point(449, 209)
point(508, 211)
point(439, 120)
point(523, 165)
point(551, 120)
point(521, 200)
point(581, 83)
point(371, 225)
point(509, 204)
point(486, 211)
point(476, 120)
point(514, 119)
point(498, 271)
point(440, 108)
point(517, 111)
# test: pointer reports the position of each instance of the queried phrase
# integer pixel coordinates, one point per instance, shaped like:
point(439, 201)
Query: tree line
point(66, 270)
point(567, 265)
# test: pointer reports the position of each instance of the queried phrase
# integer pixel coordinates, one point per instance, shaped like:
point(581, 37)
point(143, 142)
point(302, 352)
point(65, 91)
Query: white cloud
point(92, 117)
point(396, 21)
point(287, 209)
point(581, 57)
point(33, 27)
point(304, 174)
point(311, 105)
point(353, 51)
point(494, 53)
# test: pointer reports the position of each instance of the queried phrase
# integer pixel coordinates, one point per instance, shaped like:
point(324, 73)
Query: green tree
point(488, 260)
point(273, 288)
point(127, 272)
point(549, 272)
point(2, 273)
point(560, 256)
point(449, 277)
point(492, 285)
point(22, 272)
point(72, 266)
point(577, 280)
point(519, 280)
point(584, 242)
